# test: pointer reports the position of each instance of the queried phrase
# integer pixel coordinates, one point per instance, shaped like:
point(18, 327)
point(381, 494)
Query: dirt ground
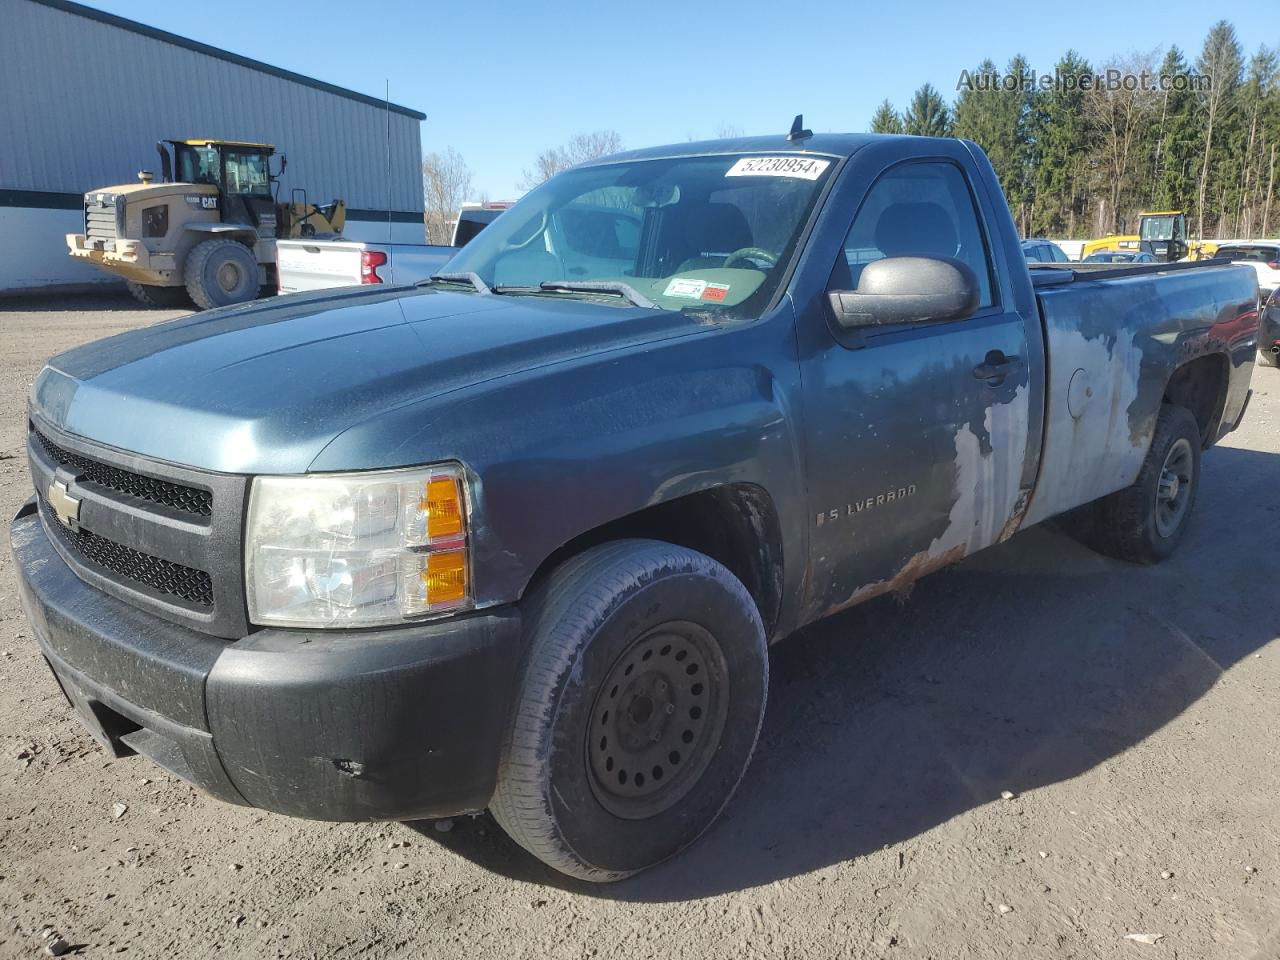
point(1134, 713)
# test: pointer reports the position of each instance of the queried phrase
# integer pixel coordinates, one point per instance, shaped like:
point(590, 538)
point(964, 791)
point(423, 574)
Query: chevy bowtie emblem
point(64, 504)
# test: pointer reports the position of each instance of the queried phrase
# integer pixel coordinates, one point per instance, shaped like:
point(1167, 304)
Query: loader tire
point(221, 272)
point(161, 298)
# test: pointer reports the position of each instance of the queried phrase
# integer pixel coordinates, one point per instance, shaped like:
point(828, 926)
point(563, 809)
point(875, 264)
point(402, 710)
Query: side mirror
point(907, 290)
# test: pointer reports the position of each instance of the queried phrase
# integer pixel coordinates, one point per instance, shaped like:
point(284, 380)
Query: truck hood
point(263, 387)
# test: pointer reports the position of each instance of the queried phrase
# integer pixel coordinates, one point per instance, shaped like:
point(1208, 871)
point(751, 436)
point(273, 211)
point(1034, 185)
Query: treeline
point(1082, 159)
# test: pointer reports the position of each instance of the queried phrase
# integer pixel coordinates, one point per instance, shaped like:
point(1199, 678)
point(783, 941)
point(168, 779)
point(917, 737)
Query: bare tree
point(446, 181)
point(1118, 118)
point(580, 148)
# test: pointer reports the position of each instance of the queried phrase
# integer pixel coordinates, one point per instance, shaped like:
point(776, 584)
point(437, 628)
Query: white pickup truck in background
point(312, 264)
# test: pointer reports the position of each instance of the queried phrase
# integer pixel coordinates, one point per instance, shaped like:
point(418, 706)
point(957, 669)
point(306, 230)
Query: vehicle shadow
point(110, 297)
point(1026, 665)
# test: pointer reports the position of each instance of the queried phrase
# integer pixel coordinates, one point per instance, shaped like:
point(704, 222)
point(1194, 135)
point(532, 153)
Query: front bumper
point(128, 258)
point(391, 724)
point(1269, 330)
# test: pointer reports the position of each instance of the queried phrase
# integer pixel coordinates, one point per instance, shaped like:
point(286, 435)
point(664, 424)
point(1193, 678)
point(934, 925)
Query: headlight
point(356, 549)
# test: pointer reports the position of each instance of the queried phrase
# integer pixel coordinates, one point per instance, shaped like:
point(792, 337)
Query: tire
point(221, 272)
point(1268, 359)
point(1140, 523)
point(661, 649)
point(165, 298)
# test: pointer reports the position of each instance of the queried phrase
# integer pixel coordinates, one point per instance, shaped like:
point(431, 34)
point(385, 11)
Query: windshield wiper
point(624, 290)
point(459, 276)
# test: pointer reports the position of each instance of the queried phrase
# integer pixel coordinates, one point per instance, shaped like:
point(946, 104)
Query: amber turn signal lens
point(442, 503)
point(445, 577)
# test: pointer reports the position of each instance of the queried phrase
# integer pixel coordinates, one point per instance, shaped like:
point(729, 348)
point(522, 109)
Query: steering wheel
point(747, 254)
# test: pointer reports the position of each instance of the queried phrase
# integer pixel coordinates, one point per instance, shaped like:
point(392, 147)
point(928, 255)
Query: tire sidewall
point(209, 264)
point(1175, 423)
point(620, 846)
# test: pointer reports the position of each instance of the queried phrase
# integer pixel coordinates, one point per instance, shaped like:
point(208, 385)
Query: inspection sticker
point(802, 168)
point(715, 292)
point(685, 287)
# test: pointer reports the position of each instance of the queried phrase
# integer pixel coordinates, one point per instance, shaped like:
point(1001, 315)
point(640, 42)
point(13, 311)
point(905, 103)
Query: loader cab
point(1163, 235)
point(240, 171)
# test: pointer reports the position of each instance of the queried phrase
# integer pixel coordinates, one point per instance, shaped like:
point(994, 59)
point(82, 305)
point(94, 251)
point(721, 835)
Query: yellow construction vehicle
point(1161, 233)
point(206, 231)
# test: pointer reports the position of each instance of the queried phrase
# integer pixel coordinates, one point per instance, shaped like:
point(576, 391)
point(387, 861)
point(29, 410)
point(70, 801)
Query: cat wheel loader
point(206, 231)
point(1161, 233)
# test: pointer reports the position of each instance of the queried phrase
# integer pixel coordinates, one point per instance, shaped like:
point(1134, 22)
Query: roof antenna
point(798, 132)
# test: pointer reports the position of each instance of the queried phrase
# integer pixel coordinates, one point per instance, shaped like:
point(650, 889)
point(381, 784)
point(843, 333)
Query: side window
point(919, 210)
point(1059, 255)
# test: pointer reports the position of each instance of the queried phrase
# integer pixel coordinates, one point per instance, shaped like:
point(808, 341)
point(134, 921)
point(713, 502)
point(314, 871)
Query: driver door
point(917, 433)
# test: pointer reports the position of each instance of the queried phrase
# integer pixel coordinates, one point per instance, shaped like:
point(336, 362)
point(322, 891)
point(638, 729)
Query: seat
point(905, 230)
point(718, 228)
point(916, 230)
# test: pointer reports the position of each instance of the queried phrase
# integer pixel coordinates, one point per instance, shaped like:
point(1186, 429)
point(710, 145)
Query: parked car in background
point(518, 538)
point(1120, 257)
point(1043, 251)
point(1262, 255)
point(1269, 331)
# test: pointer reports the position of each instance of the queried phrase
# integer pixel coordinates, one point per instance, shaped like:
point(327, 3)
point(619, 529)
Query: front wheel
point(646, 672)
point(220, 272)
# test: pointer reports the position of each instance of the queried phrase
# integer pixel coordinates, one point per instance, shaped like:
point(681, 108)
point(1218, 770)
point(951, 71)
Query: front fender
point(555, 452)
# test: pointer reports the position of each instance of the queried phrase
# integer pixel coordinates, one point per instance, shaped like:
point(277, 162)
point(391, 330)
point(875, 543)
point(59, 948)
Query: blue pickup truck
point(518, 538)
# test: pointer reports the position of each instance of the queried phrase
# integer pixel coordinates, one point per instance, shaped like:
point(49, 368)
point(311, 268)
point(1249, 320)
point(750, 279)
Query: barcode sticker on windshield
point(685, 287)
point(801, 168)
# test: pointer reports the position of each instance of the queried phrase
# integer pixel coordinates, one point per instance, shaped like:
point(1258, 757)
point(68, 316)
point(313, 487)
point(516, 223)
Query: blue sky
point(500, 82)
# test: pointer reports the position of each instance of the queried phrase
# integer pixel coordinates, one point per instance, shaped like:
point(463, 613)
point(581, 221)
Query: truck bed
point(322, 264)
point(1113, 337)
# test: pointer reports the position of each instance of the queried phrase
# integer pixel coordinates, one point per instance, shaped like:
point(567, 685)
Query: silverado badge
point(64, 505)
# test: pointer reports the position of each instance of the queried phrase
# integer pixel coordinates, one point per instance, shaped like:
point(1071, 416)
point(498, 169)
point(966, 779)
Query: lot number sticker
point(800, 168)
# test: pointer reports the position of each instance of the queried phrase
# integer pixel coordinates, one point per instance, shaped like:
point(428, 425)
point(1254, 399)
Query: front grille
point(187, 499)
point(100, 219)
point(172, 579)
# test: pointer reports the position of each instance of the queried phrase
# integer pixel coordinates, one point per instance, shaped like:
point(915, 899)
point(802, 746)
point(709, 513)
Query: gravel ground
point(1132, 713)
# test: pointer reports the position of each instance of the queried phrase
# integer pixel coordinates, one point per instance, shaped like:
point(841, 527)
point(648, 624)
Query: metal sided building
point(85, 95)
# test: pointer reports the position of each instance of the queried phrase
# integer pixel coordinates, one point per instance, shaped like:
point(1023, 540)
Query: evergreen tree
point(1175, 140)
point(928, 115)
point(886, 119)
point(1064, 145)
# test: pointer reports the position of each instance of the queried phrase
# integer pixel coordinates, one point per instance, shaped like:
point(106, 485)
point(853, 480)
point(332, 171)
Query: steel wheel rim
point(1173, 489)
point(657, 720)
point(228, 276)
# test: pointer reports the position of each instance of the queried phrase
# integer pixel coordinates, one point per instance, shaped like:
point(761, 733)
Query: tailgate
point(317, 264)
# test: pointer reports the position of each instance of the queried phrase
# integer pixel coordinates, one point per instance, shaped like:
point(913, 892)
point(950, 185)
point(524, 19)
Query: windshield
point(706, 233)
point(1157, 228)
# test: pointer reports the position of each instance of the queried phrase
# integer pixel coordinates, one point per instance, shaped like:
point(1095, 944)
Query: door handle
point(995, 367)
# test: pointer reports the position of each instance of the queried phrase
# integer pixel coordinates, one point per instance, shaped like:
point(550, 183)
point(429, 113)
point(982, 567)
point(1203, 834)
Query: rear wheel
point(221, 272)
point(644, 687)
point(1145, 522)
point(169, 298)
